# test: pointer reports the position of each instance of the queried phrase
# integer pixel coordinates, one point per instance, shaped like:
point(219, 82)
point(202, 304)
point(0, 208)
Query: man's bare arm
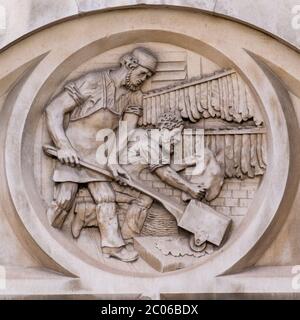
point(172, 178)
point(55, 113)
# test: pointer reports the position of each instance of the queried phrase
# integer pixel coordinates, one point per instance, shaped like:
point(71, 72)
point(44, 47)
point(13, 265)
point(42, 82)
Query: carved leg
point(84, 213)
point(64, 196)
point(79, 220)
point(112, 242)
point(135, 217)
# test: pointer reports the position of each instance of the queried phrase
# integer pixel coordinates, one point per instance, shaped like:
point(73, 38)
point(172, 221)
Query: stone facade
point(237, 84)
point(30, 18)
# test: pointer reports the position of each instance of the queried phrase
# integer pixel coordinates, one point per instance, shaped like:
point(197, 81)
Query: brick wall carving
point(236, 196)
point(234, 199)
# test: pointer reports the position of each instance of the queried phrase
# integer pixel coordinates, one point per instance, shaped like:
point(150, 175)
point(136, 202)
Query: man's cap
point(145, 59)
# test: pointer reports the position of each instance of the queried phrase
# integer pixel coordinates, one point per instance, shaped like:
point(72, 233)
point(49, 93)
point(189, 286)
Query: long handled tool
point(202, 221)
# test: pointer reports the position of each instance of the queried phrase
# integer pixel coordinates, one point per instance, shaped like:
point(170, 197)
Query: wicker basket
point(159, 222)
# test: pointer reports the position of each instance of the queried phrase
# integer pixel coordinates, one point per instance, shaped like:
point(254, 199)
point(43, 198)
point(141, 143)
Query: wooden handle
point(52, 151)
point(174, 208)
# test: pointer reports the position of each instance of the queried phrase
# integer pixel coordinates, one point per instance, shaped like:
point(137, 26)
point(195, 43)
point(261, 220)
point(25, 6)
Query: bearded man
point(96, 101)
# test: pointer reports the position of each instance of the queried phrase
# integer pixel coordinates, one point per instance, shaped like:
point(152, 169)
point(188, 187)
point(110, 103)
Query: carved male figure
point(147, 151)
point(97, 100)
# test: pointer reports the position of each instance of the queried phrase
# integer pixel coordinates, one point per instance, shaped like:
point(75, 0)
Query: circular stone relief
point(194, 214)
point(212, 102)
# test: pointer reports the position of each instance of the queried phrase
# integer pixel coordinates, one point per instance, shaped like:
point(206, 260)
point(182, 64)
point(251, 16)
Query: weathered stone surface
point(263, 15)
point(274, 17)
point(89, 5)
point(239, 85)
point(25, 16)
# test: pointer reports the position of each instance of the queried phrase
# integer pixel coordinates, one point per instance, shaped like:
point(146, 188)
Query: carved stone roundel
point(82, 80)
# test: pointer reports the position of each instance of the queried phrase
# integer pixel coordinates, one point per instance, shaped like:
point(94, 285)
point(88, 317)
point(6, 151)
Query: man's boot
point(121, 253)
point(112, 242)
point(134, 221)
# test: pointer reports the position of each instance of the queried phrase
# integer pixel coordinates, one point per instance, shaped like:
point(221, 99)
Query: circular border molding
point(72, 48)
point(274, 19)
